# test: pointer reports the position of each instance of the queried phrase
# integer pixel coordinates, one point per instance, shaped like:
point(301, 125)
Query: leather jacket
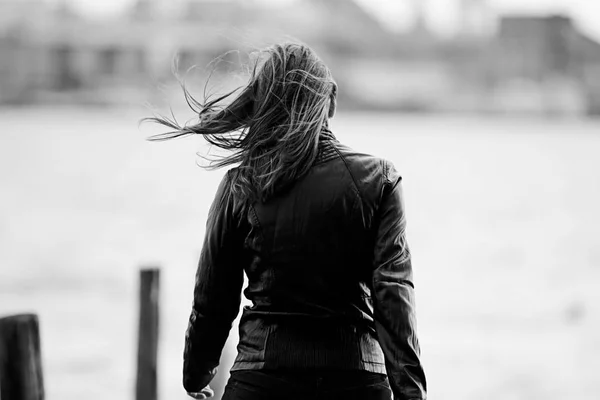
point(329, 276)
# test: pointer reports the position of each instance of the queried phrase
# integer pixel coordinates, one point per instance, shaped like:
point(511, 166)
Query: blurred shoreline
point(496, 64)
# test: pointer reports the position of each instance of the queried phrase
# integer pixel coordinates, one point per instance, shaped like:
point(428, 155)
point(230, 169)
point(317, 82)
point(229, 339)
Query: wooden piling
point(146, 383)
point(20, 358)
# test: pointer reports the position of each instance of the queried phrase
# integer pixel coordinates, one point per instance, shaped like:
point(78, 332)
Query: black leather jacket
point(329, 277)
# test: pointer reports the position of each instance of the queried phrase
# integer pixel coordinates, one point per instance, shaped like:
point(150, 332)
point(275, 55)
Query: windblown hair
point(272, 126)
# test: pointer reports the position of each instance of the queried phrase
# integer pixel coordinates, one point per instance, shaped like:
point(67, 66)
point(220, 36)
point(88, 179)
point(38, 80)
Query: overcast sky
point(441, 14)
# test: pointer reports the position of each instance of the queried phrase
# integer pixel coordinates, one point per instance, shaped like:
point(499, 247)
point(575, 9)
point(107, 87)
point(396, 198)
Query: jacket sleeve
point(394, 300)
point(217, 292)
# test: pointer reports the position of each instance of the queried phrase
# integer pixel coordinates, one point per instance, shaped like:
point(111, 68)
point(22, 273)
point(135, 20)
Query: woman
point(319, 230)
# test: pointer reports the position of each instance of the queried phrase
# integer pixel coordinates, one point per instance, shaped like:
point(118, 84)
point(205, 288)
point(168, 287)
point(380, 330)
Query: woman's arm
point(217, 292)
point(395, 317)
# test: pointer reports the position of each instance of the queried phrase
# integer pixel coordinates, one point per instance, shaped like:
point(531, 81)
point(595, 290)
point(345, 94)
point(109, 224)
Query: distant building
point(587, 53)
point(537, 48)
point(548, 58)
point(21, 58)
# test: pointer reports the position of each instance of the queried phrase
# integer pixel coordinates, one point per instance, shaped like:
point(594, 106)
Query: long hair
point(272, 126)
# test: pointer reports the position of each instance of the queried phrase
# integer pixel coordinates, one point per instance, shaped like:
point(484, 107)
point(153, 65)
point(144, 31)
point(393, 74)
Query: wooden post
point(146, 384)
point(20, 358)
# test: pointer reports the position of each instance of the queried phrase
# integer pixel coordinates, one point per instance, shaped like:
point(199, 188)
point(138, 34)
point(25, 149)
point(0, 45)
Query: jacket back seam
point(255, 218)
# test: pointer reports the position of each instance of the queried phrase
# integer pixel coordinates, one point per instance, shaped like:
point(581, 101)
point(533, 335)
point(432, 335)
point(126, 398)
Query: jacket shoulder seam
point(356, 187)
point(386, 171)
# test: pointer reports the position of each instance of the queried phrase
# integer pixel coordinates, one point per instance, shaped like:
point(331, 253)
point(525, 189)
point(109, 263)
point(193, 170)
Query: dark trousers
point(306, 385)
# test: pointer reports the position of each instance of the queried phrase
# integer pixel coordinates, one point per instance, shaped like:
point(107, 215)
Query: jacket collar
point(326, 146)
point(326, 134)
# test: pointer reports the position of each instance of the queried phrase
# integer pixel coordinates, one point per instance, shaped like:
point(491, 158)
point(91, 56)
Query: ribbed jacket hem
point(310, 345)
point(257, 365)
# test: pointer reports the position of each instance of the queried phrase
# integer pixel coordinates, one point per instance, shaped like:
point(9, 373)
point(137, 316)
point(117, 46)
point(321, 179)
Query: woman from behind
point(319, 231)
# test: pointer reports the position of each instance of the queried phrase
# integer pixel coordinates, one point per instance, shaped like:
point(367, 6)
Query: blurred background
point(487, 107)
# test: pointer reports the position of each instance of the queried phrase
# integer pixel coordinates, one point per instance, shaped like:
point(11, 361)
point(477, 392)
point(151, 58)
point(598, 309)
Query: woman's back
point(319, 230)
